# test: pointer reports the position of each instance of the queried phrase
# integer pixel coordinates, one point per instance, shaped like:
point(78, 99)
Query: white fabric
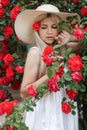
point(48, 115)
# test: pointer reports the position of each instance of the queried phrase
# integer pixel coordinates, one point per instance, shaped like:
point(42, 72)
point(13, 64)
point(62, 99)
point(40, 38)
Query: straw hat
point(25, 19)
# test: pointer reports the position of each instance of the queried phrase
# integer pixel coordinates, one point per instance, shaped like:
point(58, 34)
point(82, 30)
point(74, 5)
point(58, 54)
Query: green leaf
point(73, 106)
point(64, 26)
point(50, 73)
point(73, 112)
point(23, 127)
point(67, 77)
point(67, 52)
point(16, 124)
point(1, 37)
point(82, 88)
point(55, 67)
point(84, 58)
point(69, 86)
point(64, 99)
point(18, 117)
point(2, 22)
point(57, 46)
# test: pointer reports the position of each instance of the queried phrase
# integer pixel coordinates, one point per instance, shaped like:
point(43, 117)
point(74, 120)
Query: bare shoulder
point(34, 55)
point(34, 51)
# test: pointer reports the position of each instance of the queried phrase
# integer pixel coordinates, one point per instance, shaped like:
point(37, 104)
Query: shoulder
point(34, 52)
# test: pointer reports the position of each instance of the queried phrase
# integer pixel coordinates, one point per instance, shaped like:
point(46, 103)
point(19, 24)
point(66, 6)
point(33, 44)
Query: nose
point(49, 30)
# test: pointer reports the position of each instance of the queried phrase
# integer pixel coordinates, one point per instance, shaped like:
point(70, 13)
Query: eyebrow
point(47, 25)
point(44, 25)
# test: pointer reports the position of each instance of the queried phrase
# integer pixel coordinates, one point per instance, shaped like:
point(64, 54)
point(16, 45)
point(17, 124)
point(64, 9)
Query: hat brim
point(25, 19)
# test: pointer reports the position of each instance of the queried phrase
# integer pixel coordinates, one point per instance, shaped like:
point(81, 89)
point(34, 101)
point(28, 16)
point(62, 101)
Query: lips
point(50, 37)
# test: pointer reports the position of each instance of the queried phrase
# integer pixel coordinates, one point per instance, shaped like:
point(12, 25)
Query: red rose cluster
point(47, 55)
point(8, 70)
point(8, 29)
point(75, 63)
point(7, 107)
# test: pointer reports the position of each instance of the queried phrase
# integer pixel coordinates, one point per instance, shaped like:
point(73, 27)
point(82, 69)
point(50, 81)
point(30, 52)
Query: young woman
point(47, 114)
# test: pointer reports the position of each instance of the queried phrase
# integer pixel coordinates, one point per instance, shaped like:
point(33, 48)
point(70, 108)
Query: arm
point(30, 76)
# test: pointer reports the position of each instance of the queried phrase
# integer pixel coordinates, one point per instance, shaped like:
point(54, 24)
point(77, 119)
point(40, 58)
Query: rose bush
point(11, 44)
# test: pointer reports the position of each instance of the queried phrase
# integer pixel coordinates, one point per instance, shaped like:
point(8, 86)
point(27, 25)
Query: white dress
point(48, 114)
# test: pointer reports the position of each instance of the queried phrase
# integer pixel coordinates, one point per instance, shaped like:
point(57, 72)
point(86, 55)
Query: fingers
point(63, 37)
point(59, 39)
point(58, 57)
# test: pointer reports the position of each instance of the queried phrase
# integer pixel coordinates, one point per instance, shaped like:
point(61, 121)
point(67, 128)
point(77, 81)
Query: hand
point(64, 37)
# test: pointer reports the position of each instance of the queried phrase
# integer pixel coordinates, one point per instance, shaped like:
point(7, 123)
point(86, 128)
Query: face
point(48, 30)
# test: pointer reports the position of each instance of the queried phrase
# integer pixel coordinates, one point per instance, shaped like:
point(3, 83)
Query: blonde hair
point(54, 17)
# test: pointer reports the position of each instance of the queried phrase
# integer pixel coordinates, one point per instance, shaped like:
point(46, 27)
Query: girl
point(40, 27)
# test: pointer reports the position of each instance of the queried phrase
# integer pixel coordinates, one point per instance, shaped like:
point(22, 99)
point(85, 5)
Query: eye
point(54, 26)
point(43, 27)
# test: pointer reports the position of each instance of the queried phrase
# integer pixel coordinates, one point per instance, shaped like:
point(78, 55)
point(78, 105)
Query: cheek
point(41, 34)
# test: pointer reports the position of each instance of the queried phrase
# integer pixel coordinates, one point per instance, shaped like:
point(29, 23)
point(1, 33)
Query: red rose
point(8, 58)
point(79, 34)
point(72, 94)
point(1, 80)
point(14, 102)
point(14, 12)
point(7, 107)
point(10, 128)
point(9, 73)
point(60, 72)
point(76, 1)
point(85, 27)
point(75, 63)
point(76, 76)
point(2, 94)
point(6, 81)
point(36, 26)
point(5, 2)
point(2, 11)
point(47, 60)
point(31, 91)
point(19, 69)
point(48, 50)
point(16, 85)
point(1, 109)
point(66, 108)
point(52, 85)
point(8, 31)
point(83, 11)
point(56, 78)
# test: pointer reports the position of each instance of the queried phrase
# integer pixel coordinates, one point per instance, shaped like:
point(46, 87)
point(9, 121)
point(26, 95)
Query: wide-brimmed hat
point(25, 19)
